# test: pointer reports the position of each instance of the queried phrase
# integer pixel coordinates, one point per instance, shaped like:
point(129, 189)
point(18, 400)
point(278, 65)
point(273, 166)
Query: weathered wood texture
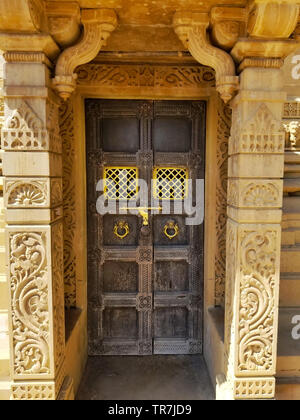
point(145, 290)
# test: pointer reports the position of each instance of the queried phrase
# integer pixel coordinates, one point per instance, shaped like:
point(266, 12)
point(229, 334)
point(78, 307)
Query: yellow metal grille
point(120, 183)
point(170, 183)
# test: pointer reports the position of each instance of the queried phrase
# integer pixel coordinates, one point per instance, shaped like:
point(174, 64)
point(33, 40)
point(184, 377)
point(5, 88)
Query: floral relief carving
point(261, 195)
point(26, 194)
point(66, 122)
point(28, 268)
point(258, 284)
point(223, 134)
point(155, 76)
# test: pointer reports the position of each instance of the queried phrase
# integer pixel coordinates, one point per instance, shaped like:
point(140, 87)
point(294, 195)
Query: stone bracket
point(63, 21)
point(191, 28)
point(228, 24)
point(98, 25)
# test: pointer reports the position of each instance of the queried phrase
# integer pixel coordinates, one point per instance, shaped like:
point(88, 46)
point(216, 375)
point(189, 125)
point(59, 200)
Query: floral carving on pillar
point(223, 134)
point(66, 122)
point(258, 293)
point(28, 268)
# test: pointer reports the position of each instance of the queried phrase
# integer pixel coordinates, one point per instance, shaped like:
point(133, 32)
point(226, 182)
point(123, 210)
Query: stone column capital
point(98, 24)
point(22, 16)
point(273, 19)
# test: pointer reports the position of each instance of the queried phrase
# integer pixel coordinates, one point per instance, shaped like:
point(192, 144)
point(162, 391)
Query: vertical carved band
point(38, 334)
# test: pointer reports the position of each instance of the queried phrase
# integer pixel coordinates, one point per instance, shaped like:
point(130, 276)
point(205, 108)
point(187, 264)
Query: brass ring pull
point(121, 229)
point(171, 226)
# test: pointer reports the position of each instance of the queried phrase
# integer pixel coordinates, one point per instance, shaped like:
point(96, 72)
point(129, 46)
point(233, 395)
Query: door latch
point(144, 212)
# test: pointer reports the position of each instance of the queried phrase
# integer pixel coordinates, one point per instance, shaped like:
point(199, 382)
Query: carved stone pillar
point(32, 167)
point(255, 195)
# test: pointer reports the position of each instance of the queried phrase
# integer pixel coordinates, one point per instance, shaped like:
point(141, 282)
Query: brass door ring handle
point(171, 226)
point(122, 227)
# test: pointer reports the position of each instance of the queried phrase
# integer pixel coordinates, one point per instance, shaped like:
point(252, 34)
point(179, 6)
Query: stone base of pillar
point(36, 390)
point(245, 388)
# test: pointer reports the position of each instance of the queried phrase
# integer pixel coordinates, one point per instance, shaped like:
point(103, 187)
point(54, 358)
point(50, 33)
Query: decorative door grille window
point(120, 183)
point(170, 183)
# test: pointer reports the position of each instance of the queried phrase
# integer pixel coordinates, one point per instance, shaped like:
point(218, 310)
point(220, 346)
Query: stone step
point(287, 389)
point(288, 358)
point(289, 295)
point(5, 391)
point(290, 259)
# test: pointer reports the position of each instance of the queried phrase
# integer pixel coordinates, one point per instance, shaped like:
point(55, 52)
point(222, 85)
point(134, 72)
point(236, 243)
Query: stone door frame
point(72, 123)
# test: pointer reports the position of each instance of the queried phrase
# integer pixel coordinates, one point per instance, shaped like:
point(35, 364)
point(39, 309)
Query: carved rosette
point(32, 192)
point(191, 28)
point(255, 194)
point(98, 25)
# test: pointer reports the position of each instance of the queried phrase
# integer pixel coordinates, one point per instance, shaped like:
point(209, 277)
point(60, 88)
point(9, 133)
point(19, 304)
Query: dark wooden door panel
point(145, 282)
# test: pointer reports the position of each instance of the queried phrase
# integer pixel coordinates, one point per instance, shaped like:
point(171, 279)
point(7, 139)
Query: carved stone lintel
point(191, 28)
point(98, 25)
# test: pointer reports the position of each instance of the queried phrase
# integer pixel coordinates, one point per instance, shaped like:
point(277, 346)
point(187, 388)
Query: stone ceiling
point(146, 25)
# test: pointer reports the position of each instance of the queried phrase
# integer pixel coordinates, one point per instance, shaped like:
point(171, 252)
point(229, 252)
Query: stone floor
point(146, 378)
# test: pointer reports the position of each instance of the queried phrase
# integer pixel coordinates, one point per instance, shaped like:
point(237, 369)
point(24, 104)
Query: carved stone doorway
point(145, 267)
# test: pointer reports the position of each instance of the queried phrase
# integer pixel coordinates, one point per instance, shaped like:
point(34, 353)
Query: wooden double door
point(145, 267)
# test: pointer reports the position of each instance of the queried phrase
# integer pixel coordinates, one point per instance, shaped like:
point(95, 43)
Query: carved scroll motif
point(29, 299)
point(258, 284)
point(145, 76)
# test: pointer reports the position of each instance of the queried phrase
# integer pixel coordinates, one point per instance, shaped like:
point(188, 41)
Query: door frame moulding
point(157, 81)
